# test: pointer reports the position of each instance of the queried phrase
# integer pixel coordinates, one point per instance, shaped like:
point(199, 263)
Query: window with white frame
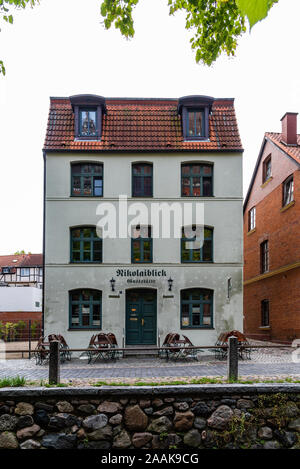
point(252, 219)
point(288, 191)
point(25, 272)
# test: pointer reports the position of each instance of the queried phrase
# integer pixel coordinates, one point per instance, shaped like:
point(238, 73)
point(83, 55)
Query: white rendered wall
point(20, 299)
point(223, 212)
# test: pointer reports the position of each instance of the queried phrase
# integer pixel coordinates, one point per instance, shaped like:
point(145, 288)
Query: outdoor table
point(180, 351)
point(103, 349)
point(42, 352)
point(222, 345)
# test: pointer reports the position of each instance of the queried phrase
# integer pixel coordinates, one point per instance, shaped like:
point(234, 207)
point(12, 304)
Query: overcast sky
point(60, 48)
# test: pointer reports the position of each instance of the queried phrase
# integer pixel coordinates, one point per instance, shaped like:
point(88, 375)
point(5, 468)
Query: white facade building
point(21, 282)
point(21, 270)
point(20, 299)
point(152, 151)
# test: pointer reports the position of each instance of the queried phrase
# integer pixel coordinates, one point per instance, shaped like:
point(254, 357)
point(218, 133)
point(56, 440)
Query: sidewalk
point(279, 361)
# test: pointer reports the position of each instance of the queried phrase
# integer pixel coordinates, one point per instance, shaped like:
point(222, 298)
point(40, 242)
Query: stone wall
point(166, 417)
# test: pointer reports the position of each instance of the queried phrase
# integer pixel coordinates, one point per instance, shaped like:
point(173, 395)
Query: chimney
point(289, 128)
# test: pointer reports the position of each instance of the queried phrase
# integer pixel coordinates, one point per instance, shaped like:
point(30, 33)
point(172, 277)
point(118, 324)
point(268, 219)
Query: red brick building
point(272, 238)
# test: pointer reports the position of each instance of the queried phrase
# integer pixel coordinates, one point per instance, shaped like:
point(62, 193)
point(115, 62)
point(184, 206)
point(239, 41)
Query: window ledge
point(196, 139)
point(197, 196)
point(265, 327)
point(251, 231)
point(86, 139)
point(86, 263)
point(286, 207)
point(197, 328)
point(84, 329)
point(266, 182)
point(86, 196)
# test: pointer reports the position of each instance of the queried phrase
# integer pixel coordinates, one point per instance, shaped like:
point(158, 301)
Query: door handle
point(143, 321)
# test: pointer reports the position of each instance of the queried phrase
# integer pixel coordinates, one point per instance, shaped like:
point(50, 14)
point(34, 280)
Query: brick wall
point(21, 316)
point(283, 293)
point(282, 230)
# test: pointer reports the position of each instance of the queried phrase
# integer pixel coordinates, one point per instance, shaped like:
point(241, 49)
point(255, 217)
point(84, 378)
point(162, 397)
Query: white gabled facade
point(142, 291)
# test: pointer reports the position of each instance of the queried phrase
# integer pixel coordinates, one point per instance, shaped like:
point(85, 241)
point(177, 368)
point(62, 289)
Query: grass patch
point(45, 384)
point(12, 382)
point(197, 381)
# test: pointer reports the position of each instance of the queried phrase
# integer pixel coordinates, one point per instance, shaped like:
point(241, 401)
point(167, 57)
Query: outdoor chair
point(180, 350)
point(163, 353)
point(114, 344)
point(244, 351)
point(221, 346)
point(173, 345)
point(191, 353)
point(89, 353)
point(102, 346)
point(40, 353)
point(64, 352)
point(67, 355)
point(222, 350)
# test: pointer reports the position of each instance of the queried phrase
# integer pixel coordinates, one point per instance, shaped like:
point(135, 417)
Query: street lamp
point(170, 282)
point(112, 282)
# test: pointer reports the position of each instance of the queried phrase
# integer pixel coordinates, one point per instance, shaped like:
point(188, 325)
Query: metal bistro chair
point(64, 353)
point(90, 353)
point(222, 343)
point(114, 344)
point(174, 349)
point(102, 348)
point(163, 353)
point(190, 353)
point(221, 346)
point(244, 351)
point(40, 353)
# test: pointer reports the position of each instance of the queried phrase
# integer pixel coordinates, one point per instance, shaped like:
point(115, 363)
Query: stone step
point(145, 353)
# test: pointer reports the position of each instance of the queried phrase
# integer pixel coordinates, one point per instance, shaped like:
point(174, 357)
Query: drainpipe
point(44, 242)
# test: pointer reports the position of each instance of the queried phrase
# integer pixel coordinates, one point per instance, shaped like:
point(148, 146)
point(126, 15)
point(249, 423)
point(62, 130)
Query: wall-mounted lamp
point(170, 282)
point(112, 282)
point(229, 287)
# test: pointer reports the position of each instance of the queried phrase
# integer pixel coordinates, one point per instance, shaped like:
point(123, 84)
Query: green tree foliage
point(255, 10)
point(216, 24)
point(6, 7)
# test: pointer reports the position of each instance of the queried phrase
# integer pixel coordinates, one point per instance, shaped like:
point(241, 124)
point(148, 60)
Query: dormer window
point(195, 112)
point(87, 122)
point(195, 123)
point(88, 111)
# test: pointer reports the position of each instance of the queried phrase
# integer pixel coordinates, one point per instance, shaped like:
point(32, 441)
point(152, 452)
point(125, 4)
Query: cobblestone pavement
point(149, 371)
point(264, 363)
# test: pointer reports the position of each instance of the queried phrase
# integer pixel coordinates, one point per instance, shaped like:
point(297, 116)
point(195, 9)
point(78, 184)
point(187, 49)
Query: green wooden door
point(141, 317)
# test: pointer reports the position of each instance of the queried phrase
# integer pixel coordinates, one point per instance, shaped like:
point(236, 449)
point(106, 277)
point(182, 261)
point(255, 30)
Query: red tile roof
point(23, 260)
point(142, 125)
point(291, 150)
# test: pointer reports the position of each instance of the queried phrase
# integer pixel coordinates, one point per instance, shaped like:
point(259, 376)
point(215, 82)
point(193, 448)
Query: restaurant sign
point(141, 275)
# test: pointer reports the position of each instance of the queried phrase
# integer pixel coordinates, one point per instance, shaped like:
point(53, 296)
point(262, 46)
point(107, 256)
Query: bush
point(21, 326)
point(9, 331)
